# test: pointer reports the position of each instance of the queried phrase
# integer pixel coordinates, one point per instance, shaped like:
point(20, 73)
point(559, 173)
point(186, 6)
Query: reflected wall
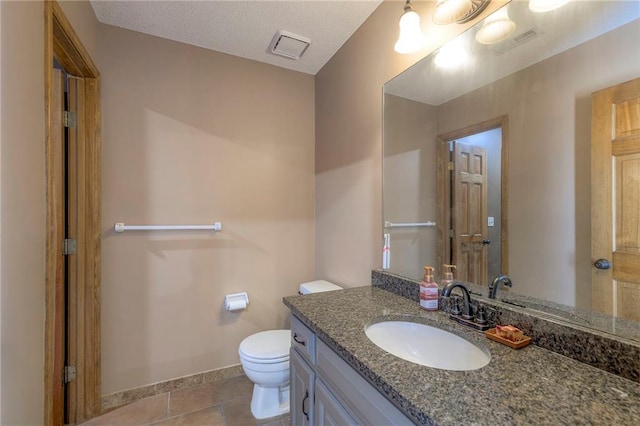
point(548, 105)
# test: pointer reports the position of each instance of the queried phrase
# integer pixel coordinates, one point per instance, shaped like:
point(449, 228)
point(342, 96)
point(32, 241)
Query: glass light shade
point(451, 55)
point(411, 38)
point(496, 28)
point(450, 11)
point(546, 5)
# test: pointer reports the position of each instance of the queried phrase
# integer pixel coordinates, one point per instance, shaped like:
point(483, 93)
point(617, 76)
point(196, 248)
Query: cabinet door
point(327, 409)
point(365, 403)
point(302, 381)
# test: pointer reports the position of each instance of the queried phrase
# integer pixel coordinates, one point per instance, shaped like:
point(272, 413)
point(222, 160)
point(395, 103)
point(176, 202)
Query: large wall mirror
point(512, 121)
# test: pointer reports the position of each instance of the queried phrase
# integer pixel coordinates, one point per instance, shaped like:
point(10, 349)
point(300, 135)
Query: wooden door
point(470, 213)
point(615, 200)
point(83, 330)
point(67, 177)
point(58, 298)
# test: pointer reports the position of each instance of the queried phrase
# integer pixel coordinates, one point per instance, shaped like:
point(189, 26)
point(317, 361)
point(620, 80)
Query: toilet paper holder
point(236, 301)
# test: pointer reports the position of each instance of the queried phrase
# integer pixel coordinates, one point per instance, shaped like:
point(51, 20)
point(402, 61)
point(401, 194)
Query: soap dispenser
point(447, 274)
point(428, 291)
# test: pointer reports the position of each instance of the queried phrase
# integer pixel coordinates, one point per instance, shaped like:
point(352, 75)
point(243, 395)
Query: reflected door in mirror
point(615, 175)
point(470, 212)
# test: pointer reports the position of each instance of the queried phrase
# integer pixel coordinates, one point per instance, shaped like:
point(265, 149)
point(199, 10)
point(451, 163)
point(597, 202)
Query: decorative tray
point(491, 334)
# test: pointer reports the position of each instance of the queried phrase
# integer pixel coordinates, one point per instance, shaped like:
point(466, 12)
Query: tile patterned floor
point(223, 403)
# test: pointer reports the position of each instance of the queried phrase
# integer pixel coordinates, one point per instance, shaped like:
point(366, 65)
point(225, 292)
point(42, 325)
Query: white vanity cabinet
point(325, 390)
point(302, 381)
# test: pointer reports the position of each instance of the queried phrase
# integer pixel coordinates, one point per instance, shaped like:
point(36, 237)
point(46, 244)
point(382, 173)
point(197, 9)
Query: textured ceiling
point(244, 28)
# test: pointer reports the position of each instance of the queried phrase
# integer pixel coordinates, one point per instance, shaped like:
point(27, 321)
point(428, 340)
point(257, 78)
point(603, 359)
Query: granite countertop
point(531, 385)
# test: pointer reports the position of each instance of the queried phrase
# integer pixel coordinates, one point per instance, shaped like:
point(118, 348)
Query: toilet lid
point(269, 344)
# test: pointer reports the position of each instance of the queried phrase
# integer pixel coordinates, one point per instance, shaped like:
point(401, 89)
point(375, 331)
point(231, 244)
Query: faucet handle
point(481, 318)
point(455, 306)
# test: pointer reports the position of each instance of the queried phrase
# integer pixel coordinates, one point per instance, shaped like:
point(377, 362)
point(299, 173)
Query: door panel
point(615, 199)
point(58, 302)
point(328, 411)
point(301, 391)
point(470, 212)
point(74, 261)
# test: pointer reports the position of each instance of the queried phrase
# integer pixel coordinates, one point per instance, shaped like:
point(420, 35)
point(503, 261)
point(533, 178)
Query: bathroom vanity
point(325, 390)
point(352, 380)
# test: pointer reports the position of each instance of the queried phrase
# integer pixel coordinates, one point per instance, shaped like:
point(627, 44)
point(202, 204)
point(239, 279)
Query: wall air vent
point(516, 41)
point(289, 45)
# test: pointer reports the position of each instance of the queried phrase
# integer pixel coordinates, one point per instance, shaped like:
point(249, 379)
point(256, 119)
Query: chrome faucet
point(466, 298)
point(493, 287)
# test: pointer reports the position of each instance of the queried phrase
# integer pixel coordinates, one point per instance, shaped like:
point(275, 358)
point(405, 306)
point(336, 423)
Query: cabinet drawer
point(303, 340)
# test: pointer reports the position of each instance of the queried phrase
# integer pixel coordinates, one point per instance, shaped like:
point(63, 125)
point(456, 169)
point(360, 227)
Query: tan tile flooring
point(222, 403)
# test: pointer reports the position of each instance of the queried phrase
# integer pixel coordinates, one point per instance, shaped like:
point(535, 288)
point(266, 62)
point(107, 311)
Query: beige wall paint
point(349, 141)
point(83, 20)
point(193, 136)
point(549, 159)
point(0, 209)
point(22, 207)
point(23, 215)
point(409, 189)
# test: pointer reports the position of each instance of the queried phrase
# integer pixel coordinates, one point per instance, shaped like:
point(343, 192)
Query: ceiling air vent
point(516, 41)
point(289, 45)
point(531, 33)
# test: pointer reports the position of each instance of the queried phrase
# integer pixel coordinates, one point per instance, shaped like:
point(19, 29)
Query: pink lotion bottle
point(428, 291)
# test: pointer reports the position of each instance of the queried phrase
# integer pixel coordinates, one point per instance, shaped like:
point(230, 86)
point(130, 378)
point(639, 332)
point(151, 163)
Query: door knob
point(486, 242)
point(602, 264)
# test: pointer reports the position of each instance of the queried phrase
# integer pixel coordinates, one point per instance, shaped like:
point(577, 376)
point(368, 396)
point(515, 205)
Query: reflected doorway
point(472, 195)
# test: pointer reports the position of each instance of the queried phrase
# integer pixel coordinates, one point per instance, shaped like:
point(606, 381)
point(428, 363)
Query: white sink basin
point(426, 345)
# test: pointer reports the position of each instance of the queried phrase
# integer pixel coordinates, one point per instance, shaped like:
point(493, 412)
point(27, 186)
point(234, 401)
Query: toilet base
point(269, 402)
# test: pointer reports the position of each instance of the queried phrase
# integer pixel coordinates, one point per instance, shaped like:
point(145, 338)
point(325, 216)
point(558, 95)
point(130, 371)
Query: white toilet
point(265, 360)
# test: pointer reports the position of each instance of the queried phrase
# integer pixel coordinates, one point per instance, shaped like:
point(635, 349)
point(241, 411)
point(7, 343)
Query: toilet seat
point(264, 360)
point(271, 346)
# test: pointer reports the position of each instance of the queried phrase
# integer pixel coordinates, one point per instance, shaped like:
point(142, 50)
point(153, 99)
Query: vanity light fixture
point(411, 38)
point(546, 5)
point(496, 27)
point(460, 11)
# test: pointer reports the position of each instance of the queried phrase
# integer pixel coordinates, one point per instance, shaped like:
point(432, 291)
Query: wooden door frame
point(62, 42)
point(444, 188)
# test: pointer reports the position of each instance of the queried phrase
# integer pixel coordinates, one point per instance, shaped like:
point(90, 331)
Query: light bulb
point(496, 28)
point(450, 11)
point(411, 38)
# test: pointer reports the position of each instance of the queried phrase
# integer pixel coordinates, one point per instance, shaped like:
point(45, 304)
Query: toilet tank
point(317, 286)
